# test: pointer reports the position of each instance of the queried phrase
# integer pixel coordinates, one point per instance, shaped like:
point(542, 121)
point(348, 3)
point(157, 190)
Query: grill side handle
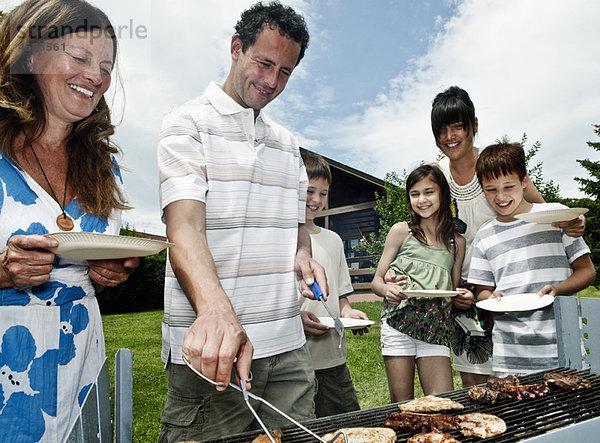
point(568, 332)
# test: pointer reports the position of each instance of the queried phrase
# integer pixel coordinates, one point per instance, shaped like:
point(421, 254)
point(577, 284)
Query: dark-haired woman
point(57, 172)
point(454, 126)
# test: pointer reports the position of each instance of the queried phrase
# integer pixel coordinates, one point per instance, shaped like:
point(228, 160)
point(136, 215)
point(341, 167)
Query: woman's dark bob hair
point(452, 106)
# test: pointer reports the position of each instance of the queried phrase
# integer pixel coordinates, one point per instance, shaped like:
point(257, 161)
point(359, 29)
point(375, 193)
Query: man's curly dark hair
point(276, 16)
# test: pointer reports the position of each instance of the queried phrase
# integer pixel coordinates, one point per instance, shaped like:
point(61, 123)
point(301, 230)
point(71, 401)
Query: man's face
point(505, 195)
point(261, 73)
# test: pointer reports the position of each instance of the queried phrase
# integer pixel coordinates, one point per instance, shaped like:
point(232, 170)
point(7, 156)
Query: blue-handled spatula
point(337, 323)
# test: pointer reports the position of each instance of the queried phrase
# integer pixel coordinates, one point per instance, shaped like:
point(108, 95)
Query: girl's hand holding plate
point(464, 300)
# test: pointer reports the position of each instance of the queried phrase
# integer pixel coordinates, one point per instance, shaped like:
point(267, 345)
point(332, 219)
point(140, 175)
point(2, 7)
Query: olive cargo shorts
point(335, 392)
point(195, 410)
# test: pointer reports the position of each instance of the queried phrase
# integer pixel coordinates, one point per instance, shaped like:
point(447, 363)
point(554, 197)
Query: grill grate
point(524, 419)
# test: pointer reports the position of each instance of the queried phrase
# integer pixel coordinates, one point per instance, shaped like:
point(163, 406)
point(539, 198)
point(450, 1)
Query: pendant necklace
point(64, 222)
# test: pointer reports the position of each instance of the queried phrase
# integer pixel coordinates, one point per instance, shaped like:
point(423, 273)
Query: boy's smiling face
point(316, 197)
point(505, 195)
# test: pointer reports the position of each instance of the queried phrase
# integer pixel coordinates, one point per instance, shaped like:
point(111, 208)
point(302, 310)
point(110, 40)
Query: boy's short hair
point(501, 159)
point(316, 166)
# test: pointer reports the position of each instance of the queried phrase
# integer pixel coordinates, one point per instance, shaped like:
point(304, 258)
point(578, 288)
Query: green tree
point(588, 186)
point(546, 187)
point(143, 291)
point(591, 187)
point(390, 208)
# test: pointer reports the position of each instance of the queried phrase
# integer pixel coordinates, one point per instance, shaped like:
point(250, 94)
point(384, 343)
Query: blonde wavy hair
point(89, 147)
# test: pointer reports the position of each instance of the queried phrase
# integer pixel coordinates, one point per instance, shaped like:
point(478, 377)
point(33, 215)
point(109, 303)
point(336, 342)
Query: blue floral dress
point(51, 339)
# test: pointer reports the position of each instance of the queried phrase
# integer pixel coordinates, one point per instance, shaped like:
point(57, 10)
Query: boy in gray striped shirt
point(512, 257)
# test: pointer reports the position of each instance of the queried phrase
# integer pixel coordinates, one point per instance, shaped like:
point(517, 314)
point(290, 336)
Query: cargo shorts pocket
point(184, 412)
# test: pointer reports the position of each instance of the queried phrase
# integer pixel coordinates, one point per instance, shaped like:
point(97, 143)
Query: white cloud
point(528, 66)
point(186, 48)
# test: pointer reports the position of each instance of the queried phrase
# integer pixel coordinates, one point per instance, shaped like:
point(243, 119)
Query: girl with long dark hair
point(426, 253)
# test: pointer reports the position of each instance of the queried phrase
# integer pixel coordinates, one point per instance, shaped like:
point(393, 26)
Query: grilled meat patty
point(570, 382)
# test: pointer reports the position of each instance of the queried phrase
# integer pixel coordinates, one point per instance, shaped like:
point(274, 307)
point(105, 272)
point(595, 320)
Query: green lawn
point(366, 364)
point(590, 291)
point(141, 332)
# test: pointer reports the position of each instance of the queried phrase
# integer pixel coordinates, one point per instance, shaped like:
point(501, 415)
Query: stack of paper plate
point(93, 246)
point(349, 323)
point(552, 215)
point(515, 303)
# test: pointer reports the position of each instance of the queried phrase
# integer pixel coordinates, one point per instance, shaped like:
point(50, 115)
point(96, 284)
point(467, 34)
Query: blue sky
point(362, 95)
point(351, 43)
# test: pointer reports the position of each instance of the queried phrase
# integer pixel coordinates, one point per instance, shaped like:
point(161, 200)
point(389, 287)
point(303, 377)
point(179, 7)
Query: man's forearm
point(191, 259)
point(194, 268)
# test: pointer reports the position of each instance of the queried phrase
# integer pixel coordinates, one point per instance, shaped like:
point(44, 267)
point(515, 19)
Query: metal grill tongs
point(337, 323)
point(247, 395)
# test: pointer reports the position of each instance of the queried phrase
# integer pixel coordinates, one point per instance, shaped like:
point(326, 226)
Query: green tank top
point(423, 318)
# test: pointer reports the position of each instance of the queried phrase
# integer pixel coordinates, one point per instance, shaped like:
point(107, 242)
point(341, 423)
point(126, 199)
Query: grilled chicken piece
point(430, 403)
point(480, 425)
point(570, 382)
point(497, 383)
point(484, 394)
point(276, 433)
point(499, 388)
point(526, 391)
point(420, 422)
point(435, 436)
point(363, 435)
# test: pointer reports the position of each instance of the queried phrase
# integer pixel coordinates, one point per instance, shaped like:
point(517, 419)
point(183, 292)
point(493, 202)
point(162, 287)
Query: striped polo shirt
point(516, 258)
point(251, 177)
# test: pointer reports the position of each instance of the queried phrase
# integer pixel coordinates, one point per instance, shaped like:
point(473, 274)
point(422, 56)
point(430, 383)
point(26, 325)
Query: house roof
point(349, 170)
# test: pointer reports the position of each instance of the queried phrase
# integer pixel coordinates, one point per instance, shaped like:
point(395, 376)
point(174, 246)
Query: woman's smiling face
point(456, 140)
point(73, 74)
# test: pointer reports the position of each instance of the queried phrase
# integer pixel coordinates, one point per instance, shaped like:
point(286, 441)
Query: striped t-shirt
point(251, 177)
point(521, 258)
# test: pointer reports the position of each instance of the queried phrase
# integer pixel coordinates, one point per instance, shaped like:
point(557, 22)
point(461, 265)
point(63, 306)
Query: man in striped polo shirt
point(233, 194)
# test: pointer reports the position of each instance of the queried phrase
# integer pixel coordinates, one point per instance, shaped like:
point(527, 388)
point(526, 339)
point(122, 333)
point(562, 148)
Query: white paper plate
point(93, 246)
point(552, 215)
point(349, 323)
point(429, 293)
point(515, 303)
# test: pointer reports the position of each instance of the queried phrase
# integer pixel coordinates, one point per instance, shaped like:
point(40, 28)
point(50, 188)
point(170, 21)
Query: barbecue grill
point(524, 419)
